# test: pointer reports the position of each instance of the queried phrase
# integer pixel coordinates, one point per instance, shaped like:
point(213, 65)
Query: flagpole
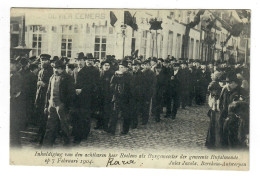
point(123, 33)
point(153, 44)
point(156, 43)
point(123, 43)
point(156, 37)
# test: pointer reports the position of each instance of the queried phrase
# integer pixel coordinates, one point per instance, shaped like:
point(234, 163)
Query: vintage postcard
point(131, 88)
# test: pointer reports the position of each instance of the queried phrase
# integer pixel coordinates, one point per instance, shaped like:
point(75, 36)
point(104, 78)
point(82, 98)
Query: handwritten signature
point(112, 162)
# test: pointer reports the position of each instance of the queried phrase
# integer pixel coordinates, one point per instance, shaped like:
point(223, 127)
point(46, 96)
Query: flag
point(130, 21)
point(113, 18)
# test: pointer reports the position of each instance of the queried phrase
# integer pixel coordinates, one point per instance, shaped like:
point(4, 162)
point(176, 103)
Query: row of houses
point(66, 32)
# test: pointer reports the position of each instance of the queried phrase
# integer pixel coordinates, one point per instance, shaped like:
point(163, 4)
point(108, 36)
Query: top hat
point(197, 61)
point(23, 61)
point(33, 58)
point(55, 58)
point(160, 59)
point(45, 56)
point(167, 60)
point(146, 61)
point(231, 76)
point(159, 66)
point(108, 56)
point(89, 56)
point(154, 59)
point(191, 60)
point(71, 66)
point(105, 61)
point(176, 64)
point(33, 66)
point(136, 62)
point(124, 63)
point(203, 63)
point(59, 64)
point(13, 61)
point(80, 55)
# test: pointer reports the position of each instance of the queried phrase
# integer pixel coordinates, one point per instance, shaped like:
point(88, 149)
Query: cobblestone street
point(187, 131)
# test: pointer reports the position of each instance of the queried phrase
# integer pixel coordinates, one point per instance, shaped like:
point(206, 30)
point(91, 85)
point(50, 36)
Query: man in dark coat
point(166, 71)
point(25, 74)
point(192, 80)
point(59, 98)
point(17, 107)
point(174, 92)
point(184, 84)
point(136, 84)
point(205, 80)
point(160, 86)
point(104, 95)
point(32, 87)
point(93, 80)
point(199, 89)
point(121, 91)
point(229, 93)
point(85, 83)
point(147, 89)
point(42, 85)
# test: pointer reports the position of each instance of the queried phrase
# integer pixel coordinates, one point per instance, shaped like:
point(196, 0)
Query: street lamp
point(155, 25)
point(123, 28)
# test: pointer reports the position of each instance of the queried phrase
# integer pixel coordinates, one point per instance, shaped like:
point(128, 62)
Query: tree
point(192, 24)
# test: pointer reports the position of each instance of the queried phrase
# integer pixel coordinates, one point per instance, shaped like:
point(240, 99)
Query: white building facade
point(60, 32)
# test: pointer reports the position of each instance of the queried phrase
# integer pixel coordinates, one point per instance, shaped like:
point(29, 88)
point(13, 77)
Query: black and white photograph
point(142, 88)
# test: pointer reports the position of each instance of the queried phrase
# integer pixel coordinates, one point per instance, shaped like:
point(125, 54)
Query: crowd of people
point(63, 97)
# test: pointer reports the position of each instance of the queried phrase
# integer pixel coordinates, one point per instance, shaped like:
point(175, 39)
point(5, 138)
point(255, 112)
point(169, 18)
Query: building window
point(178, 46)
point(133, 42)
point(66, 45)
point(170, 43)
point(161, 45)
point(111, 30)
point(197, 49)
point(76, 28)
point(66, 41)
point(144, 44)
point(37, 40)
point(100, 42)
point(15, 27)
point(191, 48)
point(152, 45)
point(88, 29)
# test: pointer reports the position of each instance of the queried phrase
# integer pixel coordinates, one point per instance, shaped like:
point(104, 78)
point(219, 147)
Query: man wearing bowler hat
point(25, 76)
point(93, 80)
point(84, 92)
point(136, 84)
point(174, 93)
point(184, 85)
point(58, 103)
point(147, 90)
point(153, 63)
point(198, 86)
point(104, 95)
point(42, 85)
point(160, 87)
point(192, 80)
point(80, 55)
